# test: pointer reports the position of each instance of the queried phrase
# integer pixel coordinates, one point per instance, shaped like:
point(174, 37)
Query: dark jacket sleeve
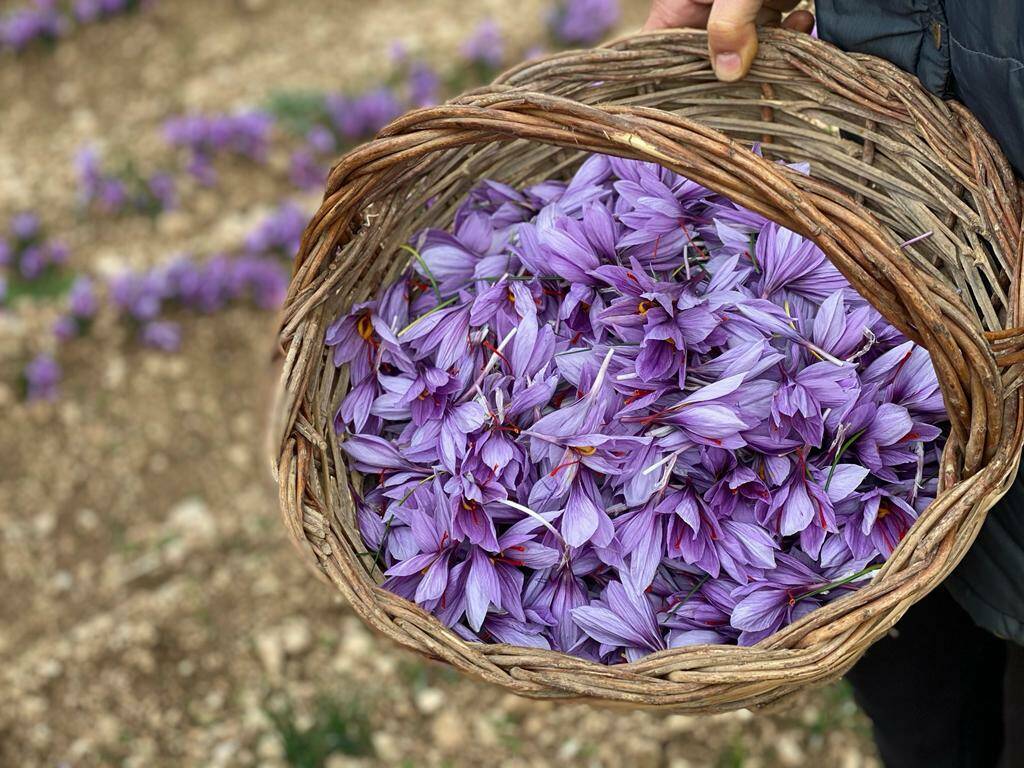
point(971, 50)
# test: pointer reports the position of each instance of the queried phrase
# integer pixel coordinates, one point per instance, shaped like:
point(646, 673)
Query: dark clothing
point(943, 693)
point(971, 50)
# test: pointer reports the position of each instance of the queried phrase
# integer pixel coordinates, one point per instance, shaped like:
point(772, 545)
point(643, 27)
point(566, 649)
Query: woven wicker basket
point(888, 162)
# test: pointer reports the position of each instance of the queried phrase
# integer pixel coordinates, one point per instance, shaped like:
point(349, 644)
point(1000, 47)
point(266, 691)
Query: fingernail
point(727, 66)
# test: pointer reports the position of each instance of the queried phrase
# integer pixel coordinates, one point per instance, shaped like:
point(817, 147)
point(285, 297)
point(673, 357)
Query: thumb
point(732, 37)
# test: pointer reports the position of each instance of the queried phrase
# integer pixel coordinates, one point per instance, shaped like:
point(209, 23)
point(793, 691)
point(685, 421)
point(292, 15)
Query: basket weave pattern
point(888, 162)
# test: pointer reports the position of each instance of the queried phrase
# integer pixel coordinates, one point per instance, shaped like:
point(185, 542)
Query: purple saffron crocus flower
point(764, 607)
point(884, 520)
point(795, 266)
point(622, 619)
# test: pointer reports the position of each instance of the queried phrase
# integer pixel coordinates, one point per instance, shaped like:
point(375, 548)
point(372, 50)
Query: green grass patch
point(338, 727)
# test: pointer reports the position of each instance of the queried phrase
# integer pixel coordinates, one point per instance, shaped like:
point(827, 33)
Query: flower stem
point(426, 269)
point(442, 305)
point(838, 582)
point(693, 590)
point(839, 454)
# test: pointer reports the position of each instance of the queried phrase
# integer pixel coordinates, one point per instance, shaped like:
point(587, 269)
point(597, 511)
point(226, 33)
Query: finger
point(801, 21)
point(732, 37)
point(666, 14)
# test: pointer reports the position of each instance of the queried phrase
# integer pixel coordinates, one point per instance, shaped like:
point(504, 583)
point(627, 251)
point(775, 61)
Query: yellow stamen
point(365, 326)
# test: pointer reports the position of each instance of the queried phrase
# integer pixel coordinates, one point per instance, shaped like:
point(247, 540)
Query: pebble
point(296, 636)
point(429, 700)
point(191, 519)
point(681, 723)
point(271, 653)
point(789, 751)
point(449, 729)
point(386, 747)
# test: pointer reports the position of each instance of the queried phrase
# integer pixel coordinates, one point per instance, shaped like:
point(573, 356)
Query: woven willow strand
point(889, 162)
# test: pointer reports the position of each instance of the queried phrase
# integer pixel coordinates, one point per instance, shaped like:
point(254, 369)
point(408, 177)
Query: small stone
point(63, 581)
point(680, 723)
point(223, 753)
point(51, 668)
point(296, 636)
point(429, 700)
point(449, 731)
point(270, 747)
point(191, 520)
point(789, 751)
point(386, 748)
point(271, 652)
point(115, 373)
point(569, 749)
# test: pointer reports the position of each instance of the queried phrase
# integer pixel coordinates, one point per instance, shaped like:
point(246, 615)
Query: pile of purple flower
point(622, 414)
point(245, 134)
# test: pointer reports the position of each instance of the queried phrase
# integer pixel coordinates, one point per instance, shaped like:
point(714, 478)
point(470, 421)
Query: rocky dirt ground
point(152, 612)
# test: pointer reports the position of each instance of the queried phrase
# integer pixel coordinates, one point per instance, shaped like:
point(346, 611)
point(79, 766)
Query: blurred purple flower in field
point(359, 117)
point(244, 134)
point(48, 20)
point(42, 20)
point(65, 328)
point(112, 193)
point(424, 85)
point(305, 171)
point(25, 227)
point(42, 375)
point(27, 252)
point(280, 233)
point(485, 46)
point(82, 301)
point(321, 140)
point(583, 22)
point(161, 334)
point(87, 11)
point(163, 189)
point(82, 307)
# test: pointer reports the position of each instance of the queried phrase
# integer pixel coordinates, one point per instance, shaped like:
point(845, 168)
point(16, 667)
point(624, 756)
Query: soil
point(153, 613)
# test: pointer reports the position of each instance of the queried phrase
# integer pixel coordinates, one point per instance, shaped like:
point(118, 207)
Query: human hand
point(731, 26)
